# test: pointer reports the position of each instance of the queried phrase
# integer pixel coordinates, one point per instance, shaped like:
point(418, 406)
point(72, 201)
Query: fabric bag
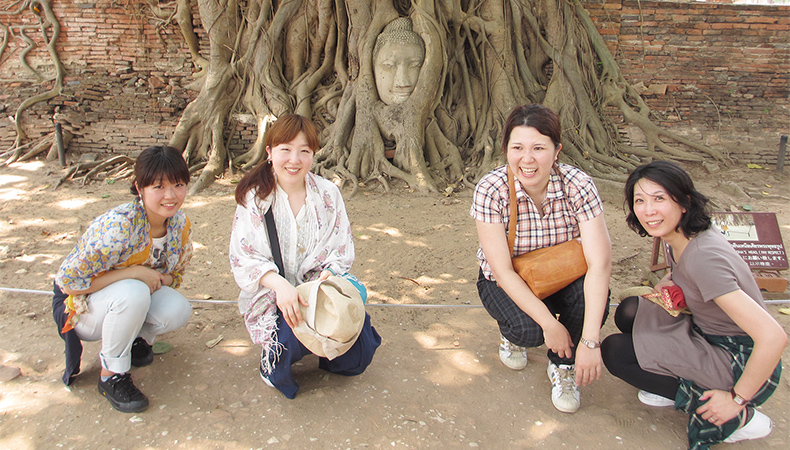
point(545, 270)
point(670, 298)
point(334, 318)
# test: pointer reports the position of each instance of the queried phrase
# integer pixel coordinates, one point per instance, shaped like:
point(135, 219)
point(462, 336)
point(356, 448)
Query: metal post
point(780, 163)
point(59, 139)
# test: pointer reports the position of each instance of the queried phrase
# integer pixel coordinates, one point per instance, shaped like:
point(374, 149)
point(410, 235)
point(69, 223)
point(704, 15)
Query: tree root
point(49, 26)
point(315, 58)
point(91, 170)
point(48, 143)
point(124, 160)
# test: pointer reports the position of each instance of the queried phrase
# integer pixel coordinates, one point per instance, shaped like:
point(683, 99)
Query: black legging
point(619, 357)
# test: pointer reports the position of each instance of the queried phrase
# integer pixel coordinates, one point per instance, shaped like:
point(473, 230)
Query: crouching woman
point(312, 236)
point(721, 361)
point(119, 283)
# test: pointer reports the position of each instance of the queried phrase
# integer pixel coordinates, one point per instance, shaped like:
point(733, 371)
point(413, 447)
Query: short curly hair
point(680, 188)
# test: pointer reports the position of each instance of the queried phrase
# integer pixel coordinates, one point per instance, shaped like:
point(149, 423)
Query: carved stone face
point(397, 60)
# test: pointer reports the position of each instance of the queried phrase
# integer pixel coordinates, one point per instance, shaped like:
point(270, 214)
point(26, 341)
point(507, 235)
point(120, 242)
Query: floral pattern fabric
point(121, 238)
point(250, 252)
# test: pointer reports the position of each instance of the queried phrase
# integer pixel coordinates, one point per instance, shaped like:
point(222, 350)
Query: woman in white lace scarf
point(315, 239)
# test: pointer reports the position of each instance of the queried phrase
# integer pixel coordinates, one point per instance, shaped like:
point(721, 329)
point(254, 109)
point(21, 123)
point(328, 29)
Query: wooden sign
point(755, 236)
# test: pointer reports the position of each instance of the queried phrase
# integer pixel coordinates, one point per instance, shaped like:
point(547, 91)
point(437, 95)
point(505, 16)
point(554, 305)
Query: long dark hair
point(539, 117)
point(285, 129)
point(679, 186)
point(156, 163)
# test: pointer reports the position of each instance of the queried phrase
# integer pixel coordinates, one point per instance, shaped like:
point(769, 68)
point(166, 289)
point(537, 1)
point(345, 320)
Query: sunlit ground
point(436, 381)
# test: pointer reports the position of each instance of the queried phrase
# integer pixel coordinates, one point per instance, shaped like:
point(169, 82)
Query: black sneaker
point(142, 353)
point(123, 394)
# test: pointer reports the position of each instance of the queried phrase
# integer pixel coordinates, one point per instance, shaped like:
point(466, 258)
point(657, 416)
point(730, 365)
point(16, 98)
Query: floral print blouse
point(121, 238)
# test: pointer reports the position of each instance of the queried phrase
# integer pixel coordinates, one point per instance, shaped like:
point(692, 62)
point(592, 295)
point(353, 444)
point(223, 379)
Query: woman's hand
point(557, 339)
point(665, 281)
point(588, 364)
point(288, 299)
point(719, 408)
point(324, 275)
point(149, 276)
point(167, 279)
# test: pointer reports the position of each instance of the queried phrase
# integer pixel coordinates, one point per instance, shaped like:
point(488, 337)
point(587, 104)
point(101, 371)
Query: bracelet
point(740, 401)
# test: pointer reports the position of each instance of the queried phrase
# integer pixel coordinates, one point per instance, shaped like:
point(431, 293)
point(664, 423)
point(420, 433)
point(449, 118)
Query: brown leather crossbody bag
point(545, 270)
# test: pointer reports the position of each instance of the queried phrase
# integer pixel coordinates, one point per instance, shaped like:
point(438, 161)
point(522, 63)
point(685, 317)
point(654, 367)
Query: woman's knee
point(358, 357)
point(126, 295)
point(180, 315)
point(625, 314)
point(516, 325)
point(170, 309)
point(525, 333)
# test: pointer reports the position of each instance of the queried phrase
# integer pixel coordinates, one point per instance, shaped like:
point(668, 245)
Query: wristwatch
point(589, 343)
point(738, 399)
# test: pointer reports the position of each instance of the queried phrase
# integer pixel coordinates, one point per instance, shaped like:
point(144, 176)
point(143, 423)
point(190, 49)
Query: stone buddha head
point(397, 60)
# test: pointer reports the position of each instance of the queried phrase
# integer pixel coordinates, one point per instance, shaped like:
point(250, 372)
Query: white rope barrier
point(417, 305)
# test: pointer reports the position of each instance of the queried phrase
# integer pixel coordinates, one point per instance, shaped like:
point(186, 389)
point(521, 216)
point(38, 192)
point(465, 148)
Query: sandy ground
point(435, 382)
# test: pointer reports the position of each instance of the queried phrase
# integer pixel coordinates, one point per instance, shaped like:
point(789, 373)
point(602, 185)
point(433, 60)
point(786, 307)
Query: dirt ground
point(435, 382)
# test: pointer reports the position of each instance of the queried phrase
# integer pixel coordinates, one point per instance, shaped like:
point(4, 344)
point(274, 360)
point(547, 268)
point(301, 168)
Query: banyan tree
point(415, 90)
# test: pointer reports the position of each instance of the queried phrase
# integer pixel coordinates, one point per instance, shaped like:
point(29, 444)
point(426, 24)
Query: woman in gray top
point(723, 359)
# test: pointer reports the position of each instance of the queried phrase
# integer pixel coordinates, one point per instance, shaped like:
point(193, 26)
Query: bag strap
point(511, 232)
point(271, 231)
point(511, 184)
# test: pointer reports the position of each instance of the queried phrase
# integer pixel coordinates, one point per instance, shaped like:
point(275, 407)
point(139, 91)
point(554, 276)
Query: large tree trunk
point(479, 59)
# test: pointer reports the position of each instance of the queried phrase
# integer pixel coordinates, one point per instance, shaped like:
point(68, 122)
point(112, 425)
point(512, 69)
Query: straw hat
point(333, 320)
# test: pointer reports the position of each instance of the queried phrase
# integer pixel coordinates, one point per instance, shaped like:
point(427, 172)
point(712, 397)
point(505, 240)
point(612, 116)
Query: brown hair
point(285, 129)
point(536, 116)
point(156, 163)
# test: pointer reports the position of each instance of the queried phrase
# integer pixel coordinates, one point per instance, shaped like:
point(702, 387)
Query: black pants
point(520, 329)
point(619, 356)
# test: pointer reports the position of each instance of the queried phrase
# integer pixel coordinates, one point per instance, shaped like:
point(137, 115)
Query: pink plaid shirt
point(554, 222)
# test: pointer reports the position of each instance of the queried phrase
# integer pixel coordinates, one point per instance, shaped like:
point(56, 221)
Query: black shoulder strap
point(271, 231)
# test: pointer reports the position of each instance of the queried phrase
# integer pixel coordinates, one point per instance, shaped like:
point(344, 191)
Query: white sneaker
point(511, 355)
point(758, 427)
point(651, 399)
point(564, 391)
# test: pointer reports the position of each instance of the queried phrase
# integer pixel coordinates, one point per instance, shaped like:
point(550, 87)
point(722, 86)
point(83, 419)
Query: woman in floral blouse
point(118, 284)
point(314, 236)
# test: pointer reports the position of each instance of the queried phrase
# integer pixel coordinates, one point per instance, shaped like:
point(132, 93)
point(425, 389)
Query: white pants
point(126, 309)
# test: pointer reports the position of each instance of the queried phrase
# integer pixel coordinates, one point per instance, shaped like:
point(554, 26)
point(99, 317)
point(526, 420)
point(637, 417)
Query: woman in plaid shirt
point(556, 203)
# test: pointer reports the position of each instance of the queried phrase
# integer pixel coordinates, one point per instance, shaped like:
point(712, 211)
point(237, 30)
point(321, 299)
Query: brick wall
point(716, 72)
point(124, 81)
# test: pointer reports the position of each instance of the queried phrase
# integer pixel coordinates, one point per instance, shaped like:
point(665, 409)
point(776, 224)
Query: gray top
point(666, 345)
point(710, 268)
